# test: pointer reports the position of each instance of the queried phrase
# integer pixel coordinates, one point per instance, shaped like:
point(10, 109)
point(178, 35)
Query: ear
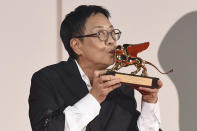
point(75, 44)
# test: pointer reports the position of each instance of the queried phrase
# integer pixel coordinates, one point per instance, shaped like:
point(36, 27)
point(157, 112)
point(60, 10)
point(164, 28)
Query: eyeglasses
point(103, 35)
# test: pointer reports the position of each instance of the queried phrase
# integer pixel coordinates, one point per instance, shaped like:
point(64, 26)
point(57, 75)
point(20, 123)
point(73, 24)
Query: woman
point(77, 95)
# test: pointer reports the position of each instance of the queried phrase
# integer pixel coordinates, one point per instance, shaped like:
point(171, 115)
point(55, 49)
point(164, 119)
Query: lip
point(112, 52)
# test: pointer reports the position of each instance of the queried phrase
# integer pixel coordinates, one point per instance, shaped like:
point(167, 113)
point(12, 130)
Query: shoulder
point(57, 73)
point(51, 71)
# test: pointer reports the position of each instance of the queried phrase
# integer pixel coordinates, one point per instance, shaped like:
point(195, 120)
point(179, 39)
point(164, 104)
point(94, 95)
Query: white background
point(29, 40)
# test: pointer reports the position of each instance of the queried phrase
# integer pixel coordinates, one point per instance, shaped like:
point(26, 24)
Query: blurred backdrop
point(29, 40)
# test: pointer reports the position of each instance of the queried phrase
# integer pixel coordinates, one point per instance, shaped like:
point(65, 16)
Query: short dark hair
point(74, 24)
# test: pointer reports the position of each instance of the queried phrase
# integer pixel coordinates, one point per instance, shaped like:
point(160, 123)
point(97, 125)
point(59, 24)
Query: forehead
point(97, 21)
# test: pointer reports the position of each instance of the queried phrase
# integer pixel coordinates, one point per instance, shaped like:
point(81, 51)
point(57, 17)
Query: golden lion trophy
point(126, 55)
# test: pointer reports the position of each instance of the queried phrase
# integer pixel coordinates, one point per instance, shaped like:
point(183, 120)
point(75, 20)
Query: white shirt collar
point(84, 76)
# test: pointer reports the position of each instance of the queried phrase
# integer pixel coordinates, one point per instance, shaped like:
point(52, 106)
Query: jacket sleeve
point(44, 113)
point(128, 91)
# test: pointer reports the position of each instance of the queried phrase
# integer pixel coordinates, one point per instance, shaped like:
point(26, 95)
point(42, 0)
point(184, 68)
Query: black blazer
point(55, 87)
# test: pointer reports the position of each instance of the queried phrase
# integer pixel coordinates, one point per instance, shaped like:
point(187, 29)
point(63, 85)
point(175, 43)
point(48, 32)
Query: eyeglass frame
point(97, 35)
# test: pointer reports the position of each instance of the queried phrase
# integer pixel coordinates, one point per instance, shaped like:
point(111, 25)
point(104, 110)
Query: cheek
point(99, 53)
point(104, 57)
point(97, 49)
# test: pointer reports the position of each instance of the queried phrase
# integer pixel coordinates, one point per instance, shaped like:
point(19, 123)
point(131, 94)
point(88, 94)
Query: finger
point(111, 88)
point(149, 98)
point(111, 82)
point(160, 84)
point(98, 73)
point(148, 90)
point(105, 78)
point(143, 92)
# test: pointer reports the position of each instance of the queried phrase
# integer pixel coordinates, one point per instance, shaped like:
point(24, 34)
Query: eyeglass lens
point(104, 35)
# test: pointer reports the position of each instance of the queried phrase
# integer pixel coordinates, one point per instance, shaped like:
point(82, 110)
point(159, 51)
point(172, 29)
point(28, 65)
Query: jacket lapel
point(79, 87)
point(73, 83)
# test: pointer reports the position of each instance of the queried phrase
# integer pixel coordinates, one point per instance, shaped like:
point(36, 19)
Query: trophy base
point(135, 80)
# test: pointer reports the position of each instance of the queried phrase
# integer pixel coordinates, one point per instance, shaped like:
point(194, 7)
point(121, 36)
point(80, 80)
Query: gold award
point(126, 55)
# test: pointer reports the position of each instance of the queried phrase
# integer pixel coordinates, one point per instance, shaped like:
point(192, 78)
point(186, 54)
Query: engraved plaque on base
point(135, 80)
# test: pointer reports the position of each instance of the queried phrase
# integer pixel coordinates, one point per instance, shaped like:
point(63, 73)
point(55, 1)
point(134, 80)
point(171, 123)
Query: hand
point(148, 94)
point(103, 85)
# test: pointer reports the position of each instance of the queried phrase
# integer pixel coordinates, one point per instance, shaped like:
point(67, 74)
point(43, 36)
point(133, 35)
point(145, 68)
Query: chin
point(107, 62)
point(110, 62)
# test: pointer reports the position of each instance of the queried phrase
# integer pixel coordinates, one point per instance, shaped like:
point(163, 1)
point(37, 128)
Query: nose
point(111, 41)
